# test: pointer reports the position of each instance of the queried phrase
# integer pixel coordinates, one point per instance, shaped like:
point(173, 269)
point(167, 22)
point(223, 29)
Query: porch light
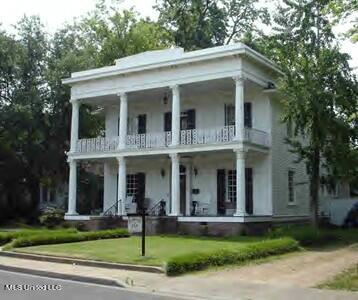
point(162, 173)
point(195, 171)
point(165, 98)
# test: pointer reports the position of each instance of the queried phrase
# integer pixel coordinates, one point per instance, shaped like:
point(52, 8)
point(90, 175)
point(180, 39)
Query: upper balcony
point(162, 140)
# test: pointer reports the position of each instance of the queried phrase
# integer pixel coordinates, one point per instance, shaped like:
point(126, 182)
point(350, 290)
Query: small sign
point(135, 224)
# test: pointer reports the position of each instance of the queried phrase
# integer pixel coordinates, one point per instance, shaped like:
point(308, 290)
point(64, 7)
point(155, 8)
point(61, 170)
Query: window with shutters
point(230, 114)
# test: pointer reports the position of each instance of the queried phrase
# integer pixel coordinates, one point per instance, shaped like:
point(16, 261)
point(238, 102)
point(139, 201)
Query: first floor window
point(131, 185)
point(291, 191)
point(231, 185)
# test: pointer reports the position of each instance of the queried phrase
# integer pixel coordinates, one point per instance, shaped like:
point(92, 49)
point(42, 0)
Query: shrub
point(52, 217)
point(6, 237)
point(54, 237)
point(202, 260)
point(306, 235)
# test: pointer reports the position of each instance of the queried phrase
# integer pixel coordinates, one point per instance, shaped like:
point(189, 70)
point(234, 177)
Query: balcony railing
point(149, 140)
point(163, 139)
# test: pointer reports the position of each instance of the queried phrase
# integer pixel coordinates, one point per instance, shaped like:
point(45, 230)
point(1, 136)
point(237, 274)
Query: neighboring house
point(200, 131)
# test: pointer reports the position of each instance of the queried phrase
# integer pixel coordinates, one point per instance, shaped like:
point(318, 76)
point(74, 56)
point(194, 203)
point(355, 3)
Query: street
point(63, 289)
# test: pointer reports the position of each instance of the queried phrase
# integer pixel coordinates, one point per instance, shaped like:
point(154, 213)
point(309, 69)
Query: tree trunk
point(314, 186)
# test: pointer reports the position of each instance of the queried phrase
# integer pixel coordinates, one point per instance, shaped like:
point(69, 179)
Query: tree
point(320, 93)
point(197, 24)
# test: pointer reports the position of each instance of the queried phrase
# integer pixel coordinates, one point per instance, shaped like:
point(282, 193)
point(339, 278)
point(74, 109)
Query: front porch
point(194, 187)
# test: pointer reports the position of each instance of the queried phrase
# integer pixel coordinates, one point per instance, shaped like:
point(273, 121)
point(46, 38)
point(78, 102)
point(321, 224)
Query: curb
point(84, 279)
point(83, 262)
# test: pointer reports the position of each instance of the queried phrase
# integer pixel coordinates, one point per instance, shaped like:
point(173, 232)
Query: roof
point(168, 57)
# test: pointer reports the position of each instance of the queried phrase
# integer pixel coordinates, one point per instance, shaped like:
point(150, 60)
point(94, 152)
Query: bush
point(8, 236)
point(53, 237)
point(202, 260)
point(306, 235)
point(52, 217)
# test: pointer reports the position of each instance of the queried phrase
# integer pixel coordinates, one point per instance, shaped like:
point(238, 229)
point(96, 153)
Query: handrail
point(114, 207)
point(160, 206)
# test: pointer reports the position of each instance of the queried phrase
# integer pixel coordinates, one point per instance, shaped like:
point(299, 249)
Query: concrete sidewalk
point(223, 284)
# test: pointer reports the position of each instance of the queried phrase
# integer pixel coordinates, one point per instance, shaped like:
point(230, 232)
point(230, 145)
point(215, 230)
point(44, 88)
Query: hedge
point(8, 236)
point(202, 260)
point(53, 237)
point(306, 235)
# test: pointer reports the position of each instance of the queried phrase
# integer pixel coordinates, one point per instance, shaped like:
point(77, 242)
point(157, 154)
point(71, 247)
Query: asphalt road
point(64, 289)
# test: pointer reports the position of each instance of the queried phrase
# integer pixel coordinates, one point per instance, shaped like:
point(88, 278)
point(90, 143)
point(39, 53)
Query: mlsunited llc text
point(32, 287)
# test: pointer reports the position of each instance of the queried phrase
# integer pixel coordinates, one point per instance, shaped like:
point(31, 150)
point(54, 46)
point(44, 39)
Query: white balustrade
point(149, 140)
point(98, 144)
point(220, 135)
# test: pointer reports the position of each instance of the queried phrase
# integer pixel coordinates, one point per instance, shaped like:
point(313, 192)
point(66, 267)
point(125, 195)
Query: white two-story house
point(199, 132)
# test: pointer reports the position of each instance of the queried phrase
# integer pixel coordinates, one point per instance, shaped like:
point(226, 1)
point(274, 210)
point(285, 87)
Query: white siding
point(282, 161)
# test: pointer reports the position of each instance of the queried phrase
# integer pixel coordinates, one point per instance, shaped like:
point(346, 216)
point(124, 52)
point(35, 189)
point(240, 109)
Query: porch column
point(123, 115)
point(239, 109)
point(74, 123)
point(240, 182)
point(175, 115)
point(72, 188)
point(122, 185)
point(109, 184)
point(175, 197)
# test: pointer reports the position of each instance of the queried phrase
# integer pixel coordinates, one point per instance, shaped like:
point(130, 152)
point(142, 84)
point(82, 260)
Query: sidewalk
point(288, 278)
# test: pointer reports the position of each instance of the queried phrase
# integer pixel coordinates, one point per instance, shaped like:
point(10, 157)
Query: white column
point(72, 188)
point(240, 182)
point(175, 198)
point(74, 123)
point(109, 184)
point(175, 115)
point(123, 116)
point(122, 185)
point(239, 109)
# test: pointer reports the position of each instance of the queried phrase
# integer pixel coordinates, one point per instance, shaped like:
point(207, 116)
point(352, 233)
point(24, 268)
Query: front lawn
point(159, 249)
point(347, 280)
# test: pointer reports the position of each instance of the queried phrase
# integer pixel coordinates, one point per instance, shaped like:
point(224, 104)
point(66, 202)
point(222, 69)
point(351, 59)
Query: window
point(231, 185)
point(187, 119)
point(291, 191)
point(230, 114)
point(132, 181)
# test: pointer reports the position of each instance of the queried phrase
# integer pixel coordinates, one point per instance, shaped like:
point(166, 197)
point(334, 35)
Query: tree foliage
point(320, 92)
point(197, 24)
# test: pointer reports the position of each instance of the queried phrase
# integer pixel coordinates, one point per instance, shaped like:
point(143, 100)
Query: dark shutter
point(249, 201)
point(248, 114)
point(140, 192)
point(142, 124)
point(168, 121)
point(191, 119)
point(221, 191)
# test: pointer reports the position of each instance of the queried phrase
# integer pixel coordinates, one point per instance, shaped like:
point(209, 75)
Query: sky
point(54, 13)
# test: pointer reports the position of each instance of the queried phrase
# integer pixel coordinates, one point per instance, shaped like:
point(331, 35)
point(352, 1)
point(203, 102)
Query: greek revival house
point(198, 135)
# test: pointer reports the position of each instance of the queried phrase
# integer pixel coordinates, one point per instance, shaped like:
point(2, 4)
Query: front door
point(182, 190)
point(221, 191)
point(249, 201)
point(140, 192)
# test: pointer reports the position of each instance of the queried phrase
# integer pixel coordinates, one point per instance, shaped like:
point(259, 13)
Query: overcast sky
point(55, 13)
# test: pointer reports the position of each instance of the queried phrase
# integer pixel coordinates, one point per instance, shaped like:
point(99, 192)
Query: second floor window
point(187, 120)
point(230, 114)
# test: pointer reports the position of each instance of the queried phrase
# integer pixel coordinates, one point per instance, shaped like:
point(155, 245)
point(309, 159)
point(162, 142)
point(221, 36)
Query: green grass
point(159, 249)
point(347, 280)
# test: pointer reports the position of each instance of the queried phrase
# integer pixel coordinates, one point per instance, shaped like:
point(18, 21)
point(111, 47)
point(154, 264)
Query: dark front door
point(221, 191)
point(182, 190)
point(249, 201)
point(140, 191)
point(142, 124)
